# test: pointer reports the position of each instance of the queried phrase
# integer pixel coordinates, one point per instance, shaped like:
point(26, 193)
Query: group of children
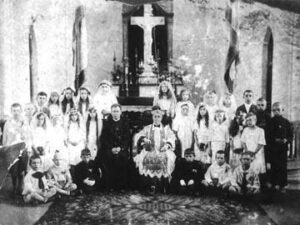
point(218, 145)
point(244, 136)
point(41, 185)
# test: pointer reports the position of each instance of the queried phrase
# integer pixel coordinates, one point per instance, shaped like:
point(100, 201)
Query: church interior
point(136, 44)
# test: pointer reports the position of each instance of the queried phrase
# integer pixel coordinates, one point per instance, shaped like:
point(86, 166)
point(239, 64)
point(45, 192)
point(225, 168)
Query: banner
point(33, 61)
point(80, 51)
point(232, 54)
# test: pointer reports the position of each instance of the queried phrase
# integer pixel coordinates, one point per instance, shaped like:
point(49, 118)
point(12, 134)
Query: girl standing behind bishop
point(54, 104)
point(185, 99)
point(75, 137)
point(166, 100)
point(202, 135)
point(84, 102)
point(93, 131)
point(183, 125)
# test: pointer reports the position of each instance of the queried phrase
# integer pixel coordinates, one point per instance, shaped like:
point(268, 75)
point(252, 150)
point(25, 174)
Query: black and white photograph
point(150, 112)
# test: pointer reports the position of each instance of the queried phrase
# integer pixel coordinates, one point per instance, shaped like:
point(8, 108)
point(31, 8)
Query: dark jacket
point(186, 171)
point(114, 134)
point(242, 108)
point(86, 170)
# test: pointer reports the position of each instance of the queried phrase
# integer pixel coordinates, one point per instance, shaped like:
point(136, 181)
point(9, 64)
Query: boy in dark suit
point(87, 174)
point(187, 174)
point(248, 106)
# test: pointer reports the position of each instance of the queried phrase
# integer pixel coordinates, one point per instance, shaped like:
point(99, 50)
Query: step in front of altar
point(144, 90)
point(135, 104)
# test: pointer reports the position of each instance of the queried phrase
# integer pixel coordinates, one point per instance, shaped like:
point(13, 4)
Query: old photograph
point(150, 112)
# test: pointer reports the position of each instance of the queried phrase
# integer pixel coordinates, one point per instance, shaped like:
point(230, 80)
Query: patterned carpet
point(134, 208)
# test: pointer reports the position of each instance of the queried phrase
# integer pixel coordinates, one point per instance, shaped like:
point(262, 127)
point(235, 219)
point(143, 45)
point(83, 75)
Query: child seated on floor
point(187, 174)
point(218, 174)
point(244, 180)
point(36, 187)
point(60, 175)
point(87, 174)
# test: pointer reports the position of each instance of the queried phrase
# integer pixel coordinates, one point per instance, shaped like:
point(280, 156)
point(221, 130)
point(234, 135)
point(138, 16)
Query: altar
point(147, 57)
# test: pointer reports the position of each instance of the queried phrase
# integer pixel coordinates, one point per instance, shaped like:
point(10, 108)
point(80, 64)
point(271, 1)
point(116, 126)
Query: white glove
point(182, 183)
point(191, 182)
point(91, 182)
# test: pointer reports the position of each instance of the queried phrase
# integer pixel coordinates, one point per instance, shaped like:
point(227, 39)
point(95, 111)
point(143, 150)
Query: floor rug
point(135, 208)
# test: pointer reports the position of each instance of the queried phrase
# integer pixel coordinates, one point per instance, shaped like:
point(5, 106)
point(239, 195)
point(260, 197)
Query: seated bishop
point(156, 160)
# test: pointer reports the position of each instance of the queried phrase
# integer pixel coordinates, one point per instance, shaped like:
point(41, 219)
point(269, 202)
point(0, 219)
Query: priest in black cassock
point(279, 134)
point(113, 148)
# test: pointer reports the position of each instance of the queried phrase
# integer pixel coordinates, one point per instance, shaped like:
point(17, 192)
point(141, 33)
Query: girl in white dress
point(202, 135)
point(184, 127)
point(211, 103)
point(166, 99)
point(68, 101)
point(236, 128)
point(93, 131)
point(84, 102)
point(58, 137)
point(29, 111)
point(253, 140)
point(104, 99)
point(75, 137)
point(185, 99)
point(219, 134)
point(54, 104)
point(228, 104)
point(41, 139)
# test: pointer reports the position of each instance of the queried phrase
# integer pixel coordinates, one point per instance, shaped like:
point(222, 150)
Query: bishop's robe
point(157, 161)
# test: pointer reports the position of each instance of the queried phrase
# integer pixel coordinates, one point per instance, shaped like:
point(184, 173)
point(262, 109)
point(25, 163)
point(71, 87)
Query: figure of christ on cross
point(147, 22)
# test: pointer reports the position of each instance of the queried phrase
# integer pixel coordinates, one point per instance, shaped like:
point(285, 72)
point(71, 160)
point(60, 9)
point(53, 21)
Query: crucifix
point(147, 22)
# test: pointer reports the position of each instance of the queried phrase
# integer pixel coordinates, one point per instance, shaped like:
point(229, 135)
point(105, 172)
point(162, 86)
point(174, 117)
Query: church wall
point(53, 30)
point(205, 42)
point(200, 38)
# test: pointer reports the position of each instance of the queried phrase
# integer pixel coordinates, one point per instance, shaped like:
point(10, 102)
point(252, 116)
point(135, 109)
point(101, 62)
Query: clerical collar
point(116, 120)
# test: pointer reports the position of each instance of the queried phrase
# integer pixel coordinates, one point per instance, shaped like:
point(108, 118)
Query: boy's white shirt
point(223, 173)
point(31, 184)
point(247, 106)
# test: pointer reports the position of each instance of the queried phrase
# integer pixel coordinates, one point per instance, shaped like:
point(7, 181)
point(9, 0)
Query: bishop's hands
point(147, 144)
point(167, 146)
